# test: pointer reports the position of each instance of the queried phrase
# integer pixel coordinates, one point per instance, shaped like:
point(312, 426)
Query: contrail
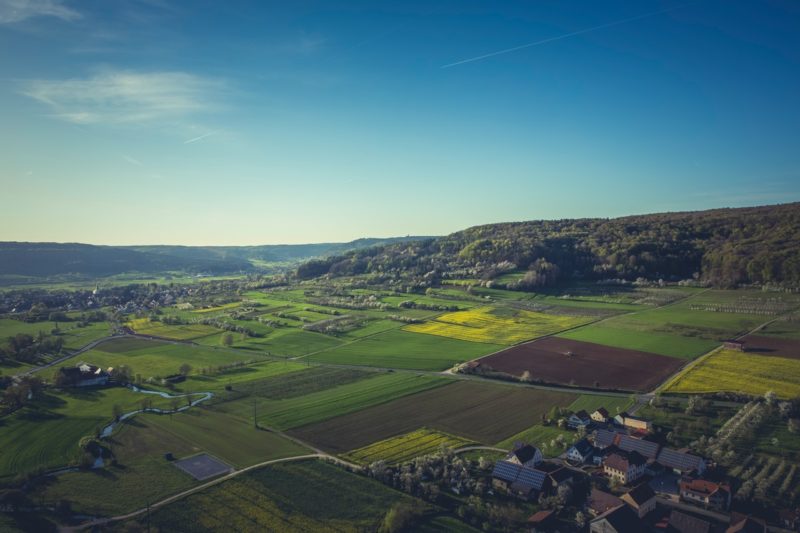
point(564, 36)
point(209, 134)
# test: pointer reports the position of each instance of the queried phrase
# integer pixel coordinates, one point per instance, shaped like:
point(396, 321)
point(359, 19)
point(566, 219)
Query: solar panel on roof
point(678, 460)
point(531, 478)
point(646, 448)
point(505, 470)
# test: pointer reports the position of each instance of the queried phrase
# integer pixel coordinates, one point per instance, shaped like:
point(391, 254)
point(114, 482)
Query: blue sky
point(205, 122)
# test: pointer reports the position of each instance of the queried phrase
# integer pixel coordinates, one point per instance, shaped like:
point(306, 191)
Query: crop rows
point(408, 446)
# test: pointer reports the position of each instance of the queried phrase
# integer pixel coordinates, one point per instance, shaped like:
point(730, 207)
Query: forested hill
point(722, 246)
point(86, 260)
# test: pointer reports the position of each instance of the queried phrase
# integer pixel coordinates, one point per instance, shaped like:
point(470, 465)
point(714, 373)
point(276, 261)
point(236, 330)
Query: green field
point(406, 350)
point(74, 336)
point(592, 402)
point(157, 359)
point(405, 447)
point(183, 332)
point(297, 496)
point(641, 339)
point(301, 382)
point(318, 406)
point(45, 434)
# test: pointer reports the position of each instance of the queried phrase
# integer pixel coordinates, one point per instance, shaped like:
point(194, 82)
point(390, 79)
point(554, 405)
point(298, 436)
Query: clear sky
point(211, 122)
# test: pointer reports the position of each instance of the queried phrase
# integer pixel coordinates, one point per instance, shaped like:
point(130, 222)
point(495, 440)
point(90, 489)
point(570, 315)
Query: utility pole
point(148, 516)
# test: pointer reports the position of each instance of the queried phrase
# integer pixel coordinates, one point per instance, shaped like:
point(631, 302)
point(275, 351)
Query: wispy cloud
point(126, 97)
point(132, 160)
point(200, 138)
point(562, 36)
point(18, 10)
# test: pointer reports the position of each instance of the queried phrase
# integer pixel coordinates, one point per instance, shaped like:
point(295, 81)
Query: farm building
point(625, 467)
point(518, 480)
point(706, 493)
point(733, 345)
point(633, 423)
point(641, 499)
point(604, 438)
point(601, 415)
point(525, 456)
point(581, 418)
point(599, 502)
point(83, 375)
point(581, 451)
point(618, 520)
point(679, 522)
point(681, 462)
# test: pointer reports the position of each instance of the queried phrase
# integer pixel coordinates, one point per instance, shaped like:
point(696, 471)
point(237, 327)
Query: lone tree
point(227, 339)
point(185, 369)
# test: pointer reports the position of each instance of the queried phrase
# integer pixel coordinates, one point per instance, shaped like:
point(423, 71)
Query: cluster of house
point(524, 473)
point(84, 375)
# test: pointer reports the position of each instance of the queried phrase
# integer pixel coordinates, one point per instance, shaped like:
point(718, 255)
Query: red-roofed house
point(706, 493)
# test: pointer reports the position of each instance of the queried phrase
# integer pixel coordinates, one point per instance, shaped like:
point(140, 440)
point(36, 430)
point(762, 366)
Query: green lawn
point(403, 349)
point(322, 405)
point(289, 342)
point(541, 437)
point(591, 402)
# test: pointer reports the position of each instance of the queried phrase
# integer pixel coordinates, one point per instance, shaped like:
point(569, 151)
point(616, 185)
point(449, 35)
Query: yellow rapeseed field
point(497, 325)
point(734, 371)
point(405, 447)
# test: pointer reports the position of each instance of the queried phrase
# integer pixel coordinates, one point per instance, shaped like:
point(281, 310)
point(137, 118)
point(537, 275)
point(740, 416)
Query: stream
point(109, 429)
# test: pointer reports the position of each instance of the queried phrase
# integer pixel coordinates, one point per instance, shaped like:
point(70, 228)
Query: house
point(631, 422)
point(576, 420)
point(706, 493)
point(525, 456)
point(745, 524)
point(83, 375)
point(617, 520)
point(542, 521)
point(681, 462)
point(679, 522)
point(581, 451)
point(518, 480)
point(733, 344)
point(641, 499)
point(600, 501)
point(625, 467)
point(601, 415)
point(557, 475)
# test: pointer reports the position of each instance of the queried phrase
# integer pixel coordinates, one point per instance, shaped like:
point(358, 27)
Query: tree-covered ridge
point(723, 246)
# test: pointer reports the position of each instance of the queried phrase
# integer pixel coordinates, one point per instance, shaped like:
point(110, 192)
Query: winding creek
point(204, 396)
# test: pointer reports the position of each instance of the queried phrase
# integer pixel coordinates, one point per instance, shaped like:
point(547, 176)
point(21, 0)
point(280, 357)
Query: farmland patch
point(585, 364)
point(404, 447)
point(477, 411)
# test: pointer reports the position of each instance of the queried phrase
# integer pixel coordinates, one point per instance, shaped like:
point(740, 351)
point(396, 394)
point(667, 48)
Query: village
point(631, 482)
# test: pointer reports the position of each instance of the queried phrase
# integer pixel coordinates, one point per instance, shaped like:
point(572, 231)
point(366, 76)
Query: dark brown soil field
point(482, 412)
point(590, 365)
point(772, 346)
